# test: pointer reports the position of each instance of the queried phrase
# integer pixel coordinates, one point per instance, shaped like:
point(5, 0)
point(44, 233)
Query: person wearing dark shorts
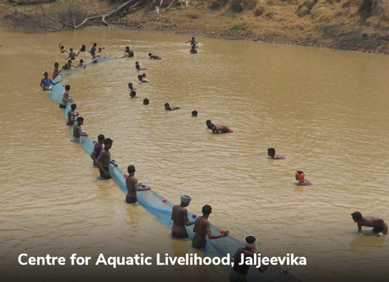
point(202, 229)
point(131, 199)
point(104, 159)
point(133, 186)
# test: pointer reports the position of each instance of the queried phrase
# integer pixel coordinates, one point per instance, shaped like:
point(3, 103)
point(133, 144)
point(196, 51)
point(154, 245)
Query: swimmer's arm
point(385, 228)
point(359, 227)
point(42, 83)
point(111, 162)
point(54, 83)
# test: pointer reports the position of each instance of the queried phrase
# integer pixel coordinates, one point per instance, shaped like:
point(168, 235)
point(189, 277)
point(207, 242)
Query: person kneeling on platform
point(240, 268)
point(104, 159)
point(202, 228)
point(180, 218)
point(133, 186)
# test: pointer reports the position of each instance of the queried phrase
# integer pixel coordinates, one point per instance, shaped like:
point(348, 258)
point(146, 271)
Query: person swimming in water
point(46, 82)
point(133, 95)
point(68, 65)
point(131, 87)
point(194, 113)
point(82, 49)
point(154, 57)
point(77, 130)
point(56, 70)
point(241, 268)
point(138, 68)
point(72, 55)
point(97, 148)
point(81, 64)
point(202, 228)
point(72, 114)
point(300, 176)
point(171, 108)
point(133, 186)
point(126, 52)
point(271, 152)
point(100, 52)
point(146, 101)
point(62, 49)
point(141, 78)
point(180, 218)
point(65, 98)
point(378, 224)
point(218, 128)
point(104, 159)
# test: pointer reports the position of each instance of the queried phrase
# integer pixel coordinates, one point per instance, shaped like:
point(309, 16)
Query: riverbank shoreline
point(338, 25)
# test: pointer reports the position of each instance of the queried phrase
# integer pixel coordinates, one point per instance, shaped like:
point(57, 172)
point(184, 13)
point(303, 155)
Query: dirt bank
point(361, 25)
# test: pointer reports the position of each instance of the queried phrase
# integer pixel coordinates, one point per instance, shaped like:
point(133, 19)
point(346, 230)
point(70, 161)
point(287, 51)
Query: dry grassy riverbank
point(361, 25)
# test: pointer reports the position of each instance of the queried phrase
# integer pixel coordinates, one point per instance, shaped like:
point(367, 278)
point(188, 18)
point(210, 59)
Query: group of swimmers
point(202, 227)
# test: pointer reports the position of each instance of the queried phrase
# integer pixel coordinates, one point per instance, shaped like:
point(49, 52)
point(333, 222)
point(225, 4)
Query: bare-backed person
point(202, 228)
point(133, 186)
point(104, 159)
point(180, 218)
point(378, 224)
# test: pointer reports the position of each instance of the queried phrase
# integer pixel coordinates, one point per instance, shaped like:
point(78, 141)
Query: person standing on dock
point(180, 218)
point(104, 159)
point(133, 186)
point(202, 228)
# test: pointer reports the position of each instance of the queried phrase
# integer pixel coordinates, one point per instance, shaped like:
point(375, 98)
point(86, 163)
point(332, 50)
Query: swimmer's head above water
point(209, 124)
point(299, 175)
point(56, 65)
point(271, 152)
point(73, 107)
point(357, 216)
point(67, 87)
point(194, 113)
point(133, 94)
point(45, 74)
point(167, 106)
point(146, 101)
